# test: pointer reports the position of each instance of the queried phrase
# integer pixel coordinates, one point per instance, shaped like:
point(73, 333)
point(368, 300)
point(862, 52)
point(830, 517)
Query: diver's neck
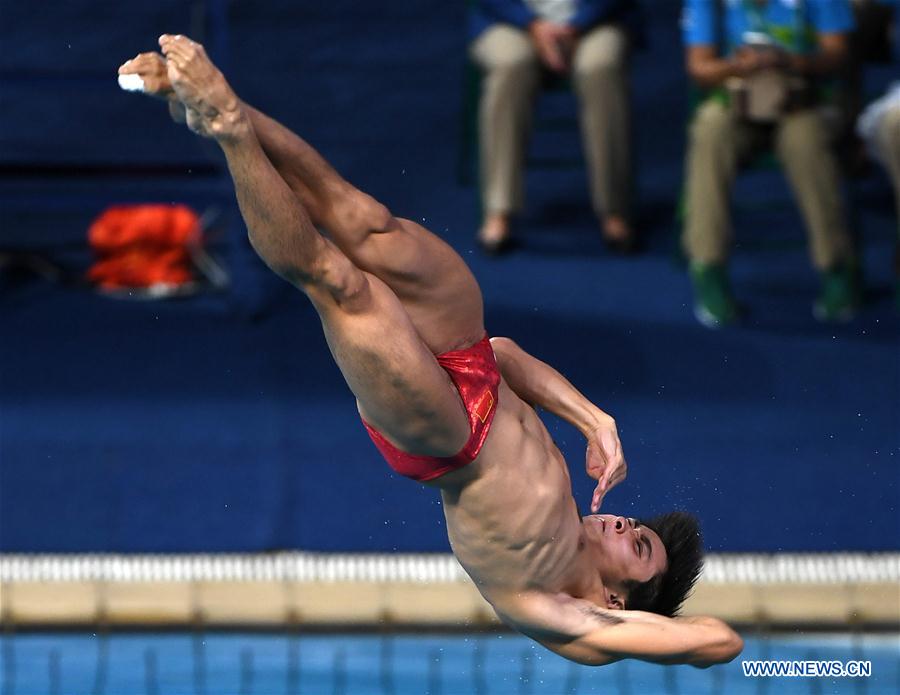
point(584, 579)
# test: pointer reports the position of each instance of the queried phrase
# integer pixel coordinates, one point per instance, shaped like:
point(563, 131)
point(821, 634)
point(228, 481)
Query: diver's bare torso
point(511, 518)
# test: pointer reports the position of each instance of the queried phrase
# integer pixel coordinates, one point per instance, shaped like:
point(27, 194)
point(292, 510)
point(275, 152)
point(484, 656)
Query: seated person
point(761, 92)
point(879, 127)
point(513, 41)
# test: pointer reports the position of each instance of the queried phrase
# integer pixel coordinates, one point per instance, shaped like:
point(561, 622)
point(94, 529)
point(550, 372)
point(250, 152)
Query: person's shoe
point(618, 236)
point(714, 305)
point(840, 295)
point(494, 236)
point(626, 246)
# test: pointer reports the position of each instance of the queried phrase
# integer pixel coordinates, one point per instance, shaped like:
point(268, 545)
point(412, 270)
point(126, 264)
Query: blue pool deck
point(44, 663)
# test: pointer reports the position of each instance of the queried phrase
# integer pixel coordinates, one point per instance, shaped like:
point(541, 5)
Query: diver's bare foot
point(212, 106)
point(151, 68)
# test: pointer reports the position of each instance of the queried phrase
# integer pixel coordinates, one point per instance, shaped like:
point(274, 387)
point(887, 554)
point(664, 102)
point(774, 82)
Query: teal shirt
point(790, 24)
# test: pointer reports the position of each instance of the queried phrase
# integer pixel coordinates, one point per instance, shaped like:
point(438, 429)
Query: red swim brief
point(475, 374)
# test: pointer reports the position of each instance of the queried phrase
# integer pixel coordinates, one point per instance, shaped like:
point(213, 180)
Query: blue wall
point(219, 423)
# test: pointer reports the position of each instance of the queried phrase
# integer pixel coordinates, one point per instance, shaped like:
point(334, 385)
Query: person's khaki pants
point(512, 73)
point(887, 142)
point(718, 142)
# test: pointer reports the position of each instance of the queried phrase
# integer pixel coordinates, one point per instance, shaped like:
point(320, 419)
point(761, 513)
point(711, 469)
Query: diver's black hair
point(664, 593)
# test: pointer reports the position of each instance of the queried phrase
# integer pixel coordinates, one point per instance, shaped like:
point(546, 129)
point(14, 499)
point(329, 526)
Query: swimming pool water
point(400, 664)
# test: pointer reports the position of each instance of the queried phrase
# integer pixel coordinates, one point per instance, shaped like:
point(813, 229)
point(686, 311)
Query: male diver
point(403, 318)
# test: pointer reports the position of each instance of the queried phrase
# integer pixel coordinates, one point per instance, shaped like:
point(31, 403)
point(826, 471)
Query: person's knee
point(512, 69)
point(602, 55)
point(319, 269)
point(348, 286)
point(711, 128)
point(599, 66)
point(505, 51)
point(359, 215)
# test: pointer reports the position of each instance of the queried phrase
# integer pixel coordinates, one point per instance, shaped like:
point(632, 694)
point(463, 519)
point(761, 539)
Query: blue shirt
point(791, 24)
point(588, 13)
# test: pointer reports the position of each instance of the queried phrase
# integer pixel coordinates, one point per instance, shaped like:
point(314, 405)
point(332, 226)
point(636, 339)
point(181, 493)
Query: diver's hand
point(604, 460)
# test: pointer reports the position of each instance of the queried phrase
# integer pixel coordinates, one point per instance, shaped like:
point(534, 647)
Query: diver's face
point(624, 550)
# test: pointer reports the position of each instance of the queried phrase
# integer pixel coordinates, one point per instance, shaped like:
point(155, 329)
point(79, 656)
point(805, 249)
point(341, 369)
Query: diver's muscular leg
point(427, 275)
point(399, 385)
point(433, 283)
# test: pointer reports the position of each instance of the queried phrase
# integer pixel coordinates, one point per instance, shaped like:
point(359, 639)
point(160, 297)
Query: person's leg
point(716, 143)
point(398, 384)
point(804, 150)
point(600, 72)
point(712, 160)
point(887, 143)
point(430, 279)
point(511, 78)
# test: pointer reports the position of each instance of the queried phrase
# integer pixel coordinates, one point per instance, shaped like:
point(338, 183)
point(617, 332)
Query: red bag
point(145, 247)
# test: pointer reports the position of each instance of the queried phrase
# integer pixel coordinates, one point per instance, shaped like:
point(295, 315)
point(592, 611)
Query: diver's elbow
point(734, 646)
point(725, 647)
point(730, 645)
